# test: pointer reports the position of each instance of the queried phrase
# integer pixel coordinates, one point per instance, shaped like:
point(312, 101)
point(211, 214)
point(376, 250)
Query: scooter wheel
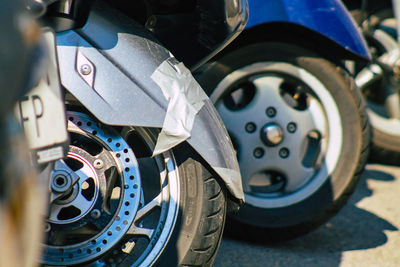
point(113, 204)
point(301, 134)
point(382, 95)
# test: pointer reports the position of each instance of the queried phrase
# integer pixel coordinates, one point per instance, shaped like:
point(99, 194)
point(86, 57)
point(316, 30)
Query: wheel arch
point(295, 34)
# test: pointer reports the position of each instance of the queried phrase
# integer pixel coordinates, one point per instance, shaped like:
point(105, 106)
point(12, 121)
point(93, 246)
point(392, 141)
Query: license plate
point(42, 112)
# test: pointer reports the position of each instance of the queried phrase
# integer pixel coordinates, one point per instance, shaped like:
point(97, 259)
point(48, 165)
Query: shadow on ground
point(352, 229)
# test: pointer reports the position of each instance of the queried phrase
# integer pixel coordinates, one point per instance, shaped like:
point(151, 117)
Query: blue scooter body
point(328, 18)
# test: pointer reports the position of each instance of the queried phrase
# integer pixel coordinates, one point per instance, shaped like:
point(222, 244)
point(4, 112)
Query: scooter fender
point(329, 18)
point(125, 78)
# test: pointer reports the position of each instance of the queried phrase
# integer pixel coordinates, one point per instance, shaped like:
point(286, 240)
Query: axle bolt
point(292, 127)
point(86, 69)
point(250, 127)
point(258, 152)
point(95, 214)
point(284, 153)
point(98, 164)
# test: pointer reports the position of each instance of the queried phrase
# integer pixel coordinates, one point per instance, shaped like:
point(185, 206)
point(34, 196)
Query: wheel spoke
point(317, 117)
point(83, 173)
point(140, 231)
point(107, 192)
point(141, 214)
point(297, 175)
point(83, 203)
point(312, 118)
point(249, 165)
point(54, 211)
point(268, 93)
point(107, 160)
point(234, 120)
point(149, 207)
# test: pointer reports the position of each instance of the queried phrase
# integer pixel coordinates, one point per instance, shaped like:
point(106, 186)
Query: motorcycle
point(22, 193)
point(379, 80)
point(150, 171)
point(295, 116)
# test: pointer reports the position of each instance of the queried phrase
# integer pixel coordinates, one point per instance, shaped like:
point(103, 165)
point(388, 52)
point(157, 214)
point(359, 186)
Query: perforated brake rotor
point(124, 190)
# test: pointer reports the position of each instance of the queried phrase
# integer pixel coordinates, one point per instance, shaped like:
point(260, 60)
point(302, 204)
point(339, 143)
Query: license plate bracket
point(42, 112)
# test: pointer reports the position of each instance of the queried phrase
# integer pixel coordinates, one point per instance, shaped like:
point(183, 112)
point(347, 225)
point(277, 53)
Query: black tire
point(198, 234)
point(202, 211)
point(385, 148)
point(284, 223)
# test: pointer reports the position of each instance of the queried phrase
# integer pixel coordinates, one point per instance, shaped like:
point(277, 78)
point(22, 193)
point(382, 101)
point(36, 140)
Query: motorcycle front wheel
point(120, 206)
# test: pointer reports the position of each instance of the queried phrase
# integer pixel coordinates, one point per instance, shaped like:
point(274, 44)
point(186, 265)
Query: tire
point(173, 215)
point(386, 130)
point(196, 240)
point(273, 213)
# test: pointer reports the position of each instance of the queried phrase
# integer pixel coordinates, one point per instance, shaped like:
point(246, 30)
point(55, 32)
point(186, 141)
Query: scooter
point(150, 171)
point(379, 80)
point(295, 116)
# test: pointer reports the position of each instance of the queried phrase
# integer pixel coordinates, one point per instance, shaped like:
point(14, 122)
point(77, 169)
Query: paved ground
point(365, 233)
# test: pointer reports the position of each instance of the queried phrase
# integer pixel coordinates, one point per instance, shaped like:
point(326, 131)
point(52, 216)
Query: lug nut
point(271, 112)
point(258, 152)
point(251, 127)
point(98, 164)
point(95, 214)
point(86, 69)
point(284, 153)
point(291, 127)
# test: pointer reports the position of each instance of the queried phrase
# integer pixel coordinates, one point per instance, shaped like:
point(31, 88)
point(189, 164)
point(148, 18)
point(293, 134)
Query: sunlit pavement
point(364, 233)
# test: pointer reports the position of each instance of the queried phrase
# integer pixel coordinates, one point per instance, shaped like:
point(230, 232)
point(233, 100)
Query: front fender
point(109, 66)
point(326, 17)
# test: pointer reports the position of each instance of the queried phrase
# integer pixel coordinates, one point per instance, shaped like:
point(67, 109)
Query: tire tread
point(204, 248)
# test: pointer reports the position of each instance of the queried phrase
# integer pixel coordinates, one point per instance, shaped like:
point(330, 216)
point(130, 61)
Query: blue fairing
point(326, 17)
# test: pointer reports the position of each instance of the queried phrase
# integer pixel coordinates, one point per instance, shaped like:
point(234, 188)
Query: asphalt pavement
point(364, 233)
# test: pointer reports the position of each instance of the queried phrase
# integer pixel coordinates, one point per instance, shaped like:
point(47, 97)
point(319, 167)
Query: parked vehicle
point(22, 194)
point(150, 172)
point(296, 119)
point(379, 80)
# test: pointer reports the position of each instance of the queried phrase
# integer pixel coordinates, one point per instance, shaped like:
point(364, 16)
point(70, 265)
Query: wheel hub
point(272, 134)
point(282, 128)
point(95, 195)
point(61, 181)
point(73, 195)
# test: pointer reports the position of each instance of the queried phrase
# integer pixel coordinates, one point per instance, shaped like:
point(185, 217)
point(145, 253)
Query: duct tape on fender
point(185, 97)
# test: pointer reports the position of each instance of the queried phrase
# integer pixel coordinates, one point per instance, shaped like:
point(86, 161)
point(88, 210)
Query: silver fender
point(110, 66)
